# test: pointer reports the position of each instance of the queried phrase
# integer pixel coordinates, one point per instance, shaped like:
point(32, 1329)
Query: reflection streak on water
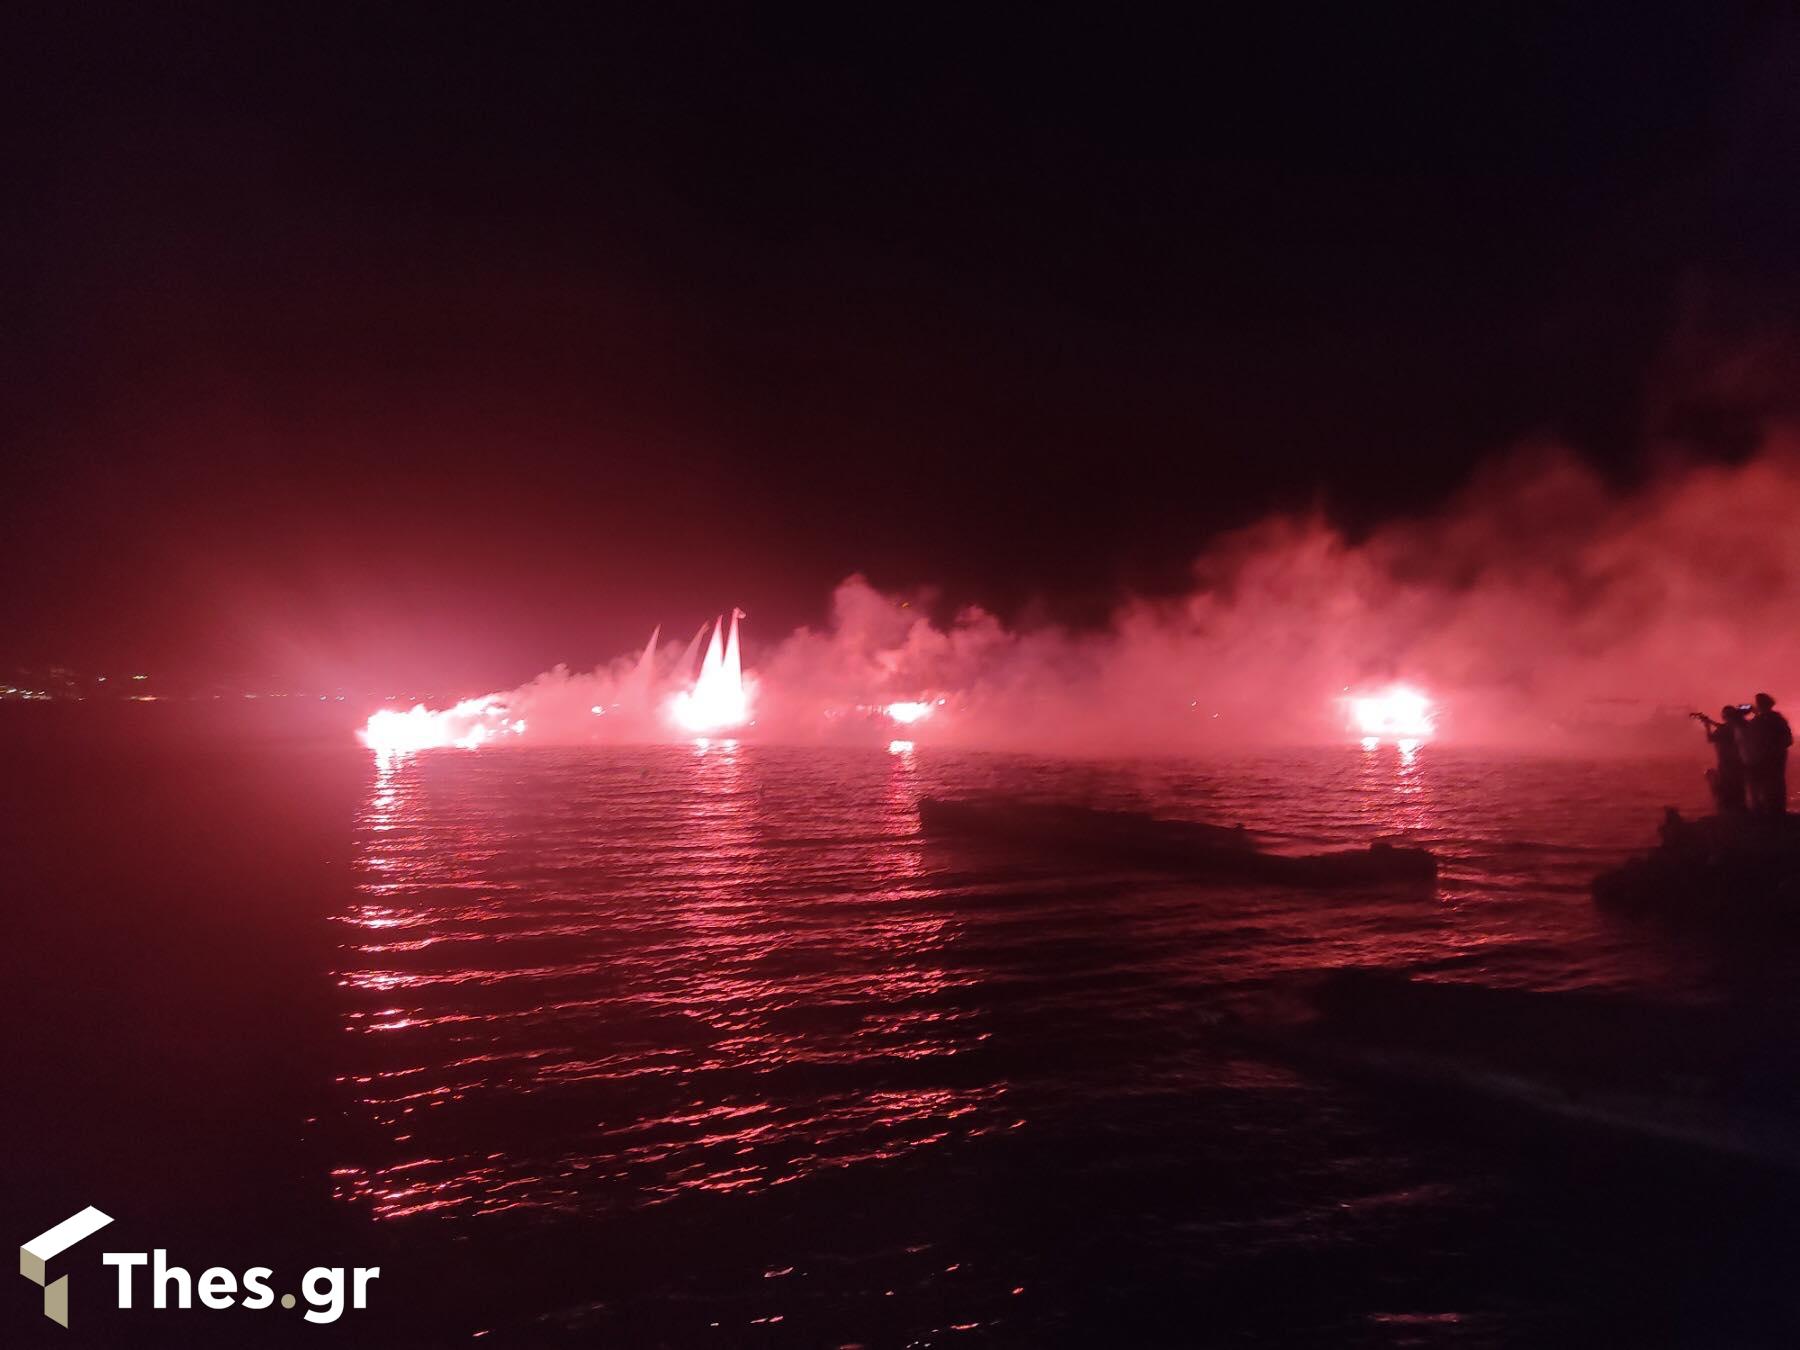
point(540, 945)
point(576, 981)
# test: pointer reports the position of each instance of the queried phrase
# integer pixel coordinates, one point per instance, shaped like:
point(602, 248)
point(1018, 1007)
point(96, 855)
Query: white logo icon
point(37, 1253)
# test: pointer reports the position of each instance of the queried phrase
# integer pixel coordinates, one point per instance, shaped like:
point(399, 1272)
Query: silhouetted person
point(1764, 747)
point(1727, 780)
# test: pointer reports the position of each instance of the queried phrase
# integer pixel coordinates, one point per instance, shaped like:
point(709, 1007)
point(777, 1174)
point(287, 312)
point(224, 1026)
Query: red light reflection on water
point(612, 981)
point(1395, 786)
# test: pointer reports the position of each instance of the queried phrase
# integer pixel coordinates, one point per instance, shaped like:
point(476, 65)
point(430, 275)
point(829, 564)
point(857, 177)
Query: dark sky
point(396, 344)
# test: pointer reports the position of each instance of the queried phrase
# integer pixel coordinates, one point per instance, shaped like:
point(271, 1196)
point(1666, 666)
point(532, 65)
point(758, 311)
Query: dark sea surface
point(708, 1046)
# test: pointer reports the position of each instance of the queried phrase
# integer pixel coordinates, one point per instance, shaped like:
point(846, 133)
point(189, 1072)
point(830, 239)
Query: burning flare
point(718, 701)
point(473, 722)
point(1397, 713)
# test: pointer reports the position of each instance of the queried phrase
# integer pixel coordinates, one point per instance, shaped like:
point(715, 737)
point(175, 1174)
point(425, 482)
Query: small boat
point(1191, 848)
point(1713, 868)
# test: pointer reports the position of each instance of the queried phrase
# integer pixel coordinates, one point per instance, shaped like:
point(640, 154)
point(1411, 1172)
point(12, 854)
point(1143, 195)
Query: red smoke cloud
point(1541, 608)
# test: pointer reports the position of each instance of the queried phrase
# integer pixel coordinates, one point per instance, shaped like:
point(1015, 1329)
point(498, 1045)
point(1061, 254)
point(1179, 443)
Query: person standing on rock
point(1763, 743)
point(1727, 779)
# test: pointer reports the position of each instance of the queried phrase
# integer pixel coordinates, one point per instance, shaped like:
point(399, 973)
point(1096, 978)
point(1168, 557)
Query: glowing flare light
point(1397, 713)
point(908, 713)
point(719, 699)
point(469, 724)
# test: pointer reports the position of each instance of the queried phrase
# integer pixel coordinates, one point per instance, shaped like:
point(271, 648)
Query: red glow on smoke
point(471, 723)
point(719, 699)
point(1395, 713)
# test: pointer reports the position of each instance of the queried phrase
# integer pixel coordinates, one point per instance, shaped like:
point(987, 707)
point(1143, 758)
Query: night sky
point(392, 345)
